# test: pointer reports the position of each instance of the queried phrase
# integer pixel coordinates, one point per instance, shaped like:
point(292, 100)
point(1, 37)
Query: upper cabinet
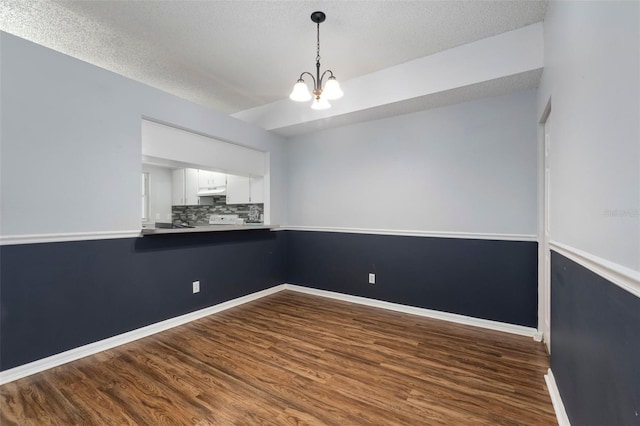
point(256, 190)
point(184, 189)
point(208, 180)
point(189, 187)
point(244, 190)
point(238, 189)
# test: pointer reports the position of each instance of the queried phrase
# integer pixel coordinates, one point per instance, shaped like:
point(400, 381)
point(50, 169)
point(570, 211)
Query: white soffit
point(493, 66)
point(486, 89)
point(168, 143)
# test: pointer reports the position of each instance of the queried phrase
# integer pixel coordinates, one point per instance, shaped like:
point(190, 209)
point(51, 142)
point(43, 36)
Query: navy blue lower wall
point(58, 296)
point(494, 280)
point(595, 346)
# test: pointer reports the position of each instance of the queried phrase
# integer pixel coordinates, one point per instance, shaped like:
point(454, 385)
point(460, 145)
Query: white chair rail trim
point(6, 240)
point(622, 276)
point(415, 233)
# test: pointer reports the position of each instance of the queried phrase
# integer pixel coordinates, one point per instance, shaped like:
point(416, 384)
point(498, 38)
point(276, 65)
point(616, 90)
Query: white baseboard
point(102, 345)
point(121, 339)
point(556, 400)
point(446, 316)
point(538, 337)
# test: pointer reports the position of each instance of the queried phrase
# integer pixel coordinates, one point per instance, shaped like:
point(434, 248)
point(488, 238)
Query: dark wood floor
point(292, 358)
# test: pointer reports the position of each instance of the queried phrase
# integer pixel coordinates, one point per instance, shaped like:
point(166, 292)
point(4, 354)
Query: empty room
point(320, 212)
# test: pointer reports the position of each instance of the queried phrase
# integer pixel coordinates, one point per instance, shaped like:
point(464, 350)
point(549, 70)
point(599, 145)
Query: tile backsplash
point(199, 214)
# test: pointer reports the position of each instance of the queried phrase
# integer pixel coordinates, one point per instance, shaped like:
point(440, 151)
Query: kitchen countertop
point(205, 228)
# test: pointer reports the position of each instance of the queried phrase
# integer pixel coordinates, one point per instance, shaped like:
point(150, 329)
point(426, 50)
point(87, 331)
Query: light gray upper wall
point(468, 168)
point(592, 75)
point(70, 143)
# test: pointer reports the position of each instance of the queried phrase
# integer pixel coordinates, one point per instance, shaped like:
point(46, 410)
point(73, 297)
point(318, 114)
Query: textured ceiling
point(235, 55)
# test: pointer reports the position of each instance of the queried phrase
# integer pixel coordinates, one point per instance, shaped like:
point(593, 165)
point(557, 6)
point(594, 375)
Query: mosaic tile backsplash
point(199, 214)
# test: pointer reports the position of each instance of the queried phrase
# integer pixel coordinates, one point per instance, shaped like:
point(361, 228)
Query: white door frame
point(544, 252)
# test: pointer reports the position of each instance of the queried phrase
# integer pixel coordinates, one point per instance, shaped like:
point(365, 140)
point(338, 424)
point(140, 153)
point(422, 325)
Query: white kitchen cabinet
point(208, 180)
point(257, 190)
point(177, 187)
point(244, 190)
point(238, 189)
point(184, 189)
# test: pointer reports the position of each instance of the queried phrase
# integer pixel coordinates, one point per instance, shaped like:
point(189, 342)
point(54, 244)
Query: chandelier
point(321, 95)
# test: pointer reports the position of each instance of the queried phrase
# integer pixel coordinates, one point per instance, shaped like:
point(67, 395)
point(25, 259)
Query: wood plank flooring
point(297, 359)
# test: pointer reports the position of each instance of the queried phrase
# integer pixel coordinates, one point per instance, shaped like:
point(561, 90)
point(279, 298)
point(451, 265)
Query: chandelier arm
point(322, 77)
point(310, 75)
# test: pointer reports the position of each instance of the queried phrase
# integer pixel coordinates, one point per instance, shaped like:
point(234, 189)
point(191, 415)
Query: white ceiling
point(236, 55)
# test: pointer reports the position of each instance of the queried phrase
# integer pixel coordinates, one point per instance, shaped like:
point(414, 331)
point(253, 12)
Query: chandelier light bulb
point(320, 103)
point(300, 92)
point(332, 89)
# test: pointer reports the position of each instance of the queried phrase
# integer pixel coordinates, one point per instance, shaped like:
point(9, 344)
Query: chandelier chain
point(318, 45)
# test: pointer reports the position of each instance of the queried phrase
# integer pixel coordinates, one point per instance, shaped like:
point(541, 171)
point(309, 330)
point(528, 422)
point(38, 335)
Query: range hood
point(209, 192)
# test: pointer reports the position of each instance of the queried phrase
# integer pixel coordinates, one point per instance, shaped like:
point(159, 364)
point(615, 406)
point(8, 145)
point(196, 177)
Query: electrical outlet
point(372, 278)
point(157, 216)
point(196, 286)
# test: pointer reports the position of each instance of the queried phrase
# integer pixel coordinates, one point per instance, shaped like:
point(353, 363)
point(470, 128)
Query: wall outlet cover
point(196, 286)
